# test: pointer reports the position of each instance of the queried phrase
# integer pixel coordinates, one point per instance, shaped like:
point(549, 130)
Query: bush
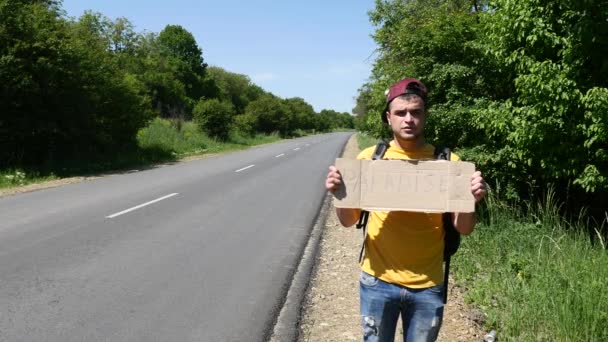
point(161, 135)
point(534, 274)
point(214, 117)
point(245, 124)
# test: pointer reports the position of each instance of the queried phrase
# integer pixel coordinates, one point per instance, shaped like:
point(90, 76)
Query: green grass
point(365, 140)
point(536, 276)
point(161, 141)
point(19, 177)
point(185, 139)
point(176, 138)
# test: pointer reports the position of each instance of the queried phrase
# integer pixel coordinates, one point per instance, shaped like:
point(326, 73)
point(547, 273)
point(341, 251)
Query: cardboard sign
point(407, 185)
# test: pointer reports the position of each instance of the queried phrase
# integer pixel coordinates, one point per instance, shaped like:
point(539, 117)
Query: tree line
point(76, 88)
point(518, 87)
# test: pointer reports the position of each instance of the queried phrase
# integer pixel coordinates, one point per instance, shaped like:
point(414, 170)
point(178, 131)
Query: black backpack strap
point(364, 217)
point(362, 224)
point(451, 242)
point(379, 152)
point(446, 278)
point(442, 153)
point(451, 237)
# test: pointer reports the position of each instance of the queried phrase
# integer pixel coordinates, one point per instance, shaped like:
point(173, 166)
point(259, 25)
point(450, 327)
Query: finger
point(479, 194)
point(330, 185)
point(334, 180)
point(479, 191)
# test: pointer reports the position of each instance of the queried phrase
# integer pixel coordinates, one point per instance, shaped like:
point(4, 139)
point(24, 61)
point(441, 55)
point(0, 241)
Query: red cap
point(404, 87)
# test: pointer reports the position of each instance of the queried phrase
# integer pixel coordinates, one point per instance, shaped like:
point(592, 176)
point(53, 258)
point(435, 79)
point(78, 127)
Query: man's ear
point(388, 115)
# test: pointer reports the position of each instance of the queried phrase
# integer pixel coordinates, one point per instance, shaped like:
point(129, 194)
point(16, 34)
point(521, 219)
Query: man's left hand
point(478, 186)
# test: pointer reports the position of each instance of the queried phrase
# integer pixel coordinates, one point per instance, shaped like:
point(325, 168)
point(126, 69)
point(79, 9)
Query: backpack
point(451, 237)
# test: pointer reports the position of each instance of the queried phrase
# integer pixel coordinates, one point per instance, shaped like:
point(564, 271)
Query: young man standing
point(402, 271)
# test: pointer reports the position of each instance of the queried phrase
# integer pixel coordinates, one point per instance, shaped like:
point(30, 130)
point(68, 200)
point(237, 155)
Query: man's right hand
point(333, 180)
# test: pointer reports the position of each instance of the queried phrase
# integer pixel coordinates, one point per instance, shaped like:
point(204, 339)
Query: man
point(402, 271)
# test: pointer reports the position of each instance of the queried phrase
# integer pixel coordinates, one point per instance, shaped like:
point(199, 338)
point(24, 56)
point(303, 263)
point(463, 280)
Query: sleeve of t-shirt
point(454, 157)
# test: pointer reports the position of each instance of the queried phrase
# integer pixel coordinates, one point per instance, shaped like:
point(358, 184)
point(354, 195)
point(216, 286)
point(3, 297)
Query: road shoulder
point(330, 311)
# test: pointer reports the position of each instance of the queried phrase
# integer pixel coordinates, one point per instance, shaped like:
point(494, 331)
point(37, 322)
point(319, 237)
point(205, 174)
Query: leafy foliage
point(77, 91)
point(234, 87)
point(58, 78)
point(270, 115)
point(165, 136)
point(520, 87)
point(214, 117)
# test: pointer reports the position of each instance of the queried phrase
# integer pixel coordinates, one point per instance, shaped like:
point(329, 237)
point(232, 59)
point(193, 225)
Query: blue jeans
point(381, 304)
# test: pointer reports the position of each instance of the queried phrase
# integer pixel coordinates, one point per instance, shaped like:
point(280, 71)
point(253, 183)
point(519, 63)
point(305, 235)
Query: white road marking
point(307, 144)
point(280, 155)
point(142, 205)
point(297, 148)
point(245, 168)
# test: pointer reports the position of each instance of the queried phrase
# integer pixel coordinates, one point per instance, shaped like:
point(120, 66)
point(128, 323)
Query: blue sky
point(318, 50)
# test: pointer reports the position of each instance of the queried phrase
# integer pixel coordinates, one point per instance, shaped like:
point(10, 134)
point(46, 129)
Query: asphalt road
point(197, 251)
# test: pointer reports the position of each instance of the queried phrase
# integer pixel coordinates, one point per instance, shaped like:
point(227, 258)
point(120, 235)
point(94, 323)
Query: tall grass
point(176, 138)
point(537, 276)
point(19, 177)
point(162, 140)
point(185, 139)
point(365, 140)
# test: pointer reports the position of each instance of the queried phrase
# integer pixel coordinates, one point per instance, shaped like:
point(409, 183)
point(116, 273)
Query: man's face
point(407, 117)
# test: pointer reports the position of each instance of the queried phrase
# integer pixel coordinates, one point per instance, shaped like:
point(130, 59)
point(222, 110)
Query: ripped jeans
point(381, 304)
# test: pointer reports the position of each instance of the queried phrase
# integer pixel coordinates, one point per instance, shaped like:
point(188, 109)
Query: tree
point(557, 52)
point(160, 76)
point(363, 100)
point(509, 81)
point(184, 56)
point(270, 115)
point(301, 114)
point(68, 97)
point(330, 119)
point(180, 44)
point(235, 88)
point(435, 41)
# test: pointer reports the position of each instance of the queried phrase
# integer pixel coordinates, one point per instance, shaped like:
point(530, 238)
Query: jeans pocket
point(368, 280)
point(437, 289)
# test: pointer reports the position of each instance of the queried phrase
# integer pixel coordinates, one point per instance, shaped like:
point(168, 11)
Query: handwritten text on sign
point(410, 185)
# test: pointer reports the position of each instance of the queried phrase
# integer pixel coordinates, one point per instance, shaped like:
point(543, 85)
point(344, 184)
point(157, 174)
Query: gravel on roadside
point(330, 310)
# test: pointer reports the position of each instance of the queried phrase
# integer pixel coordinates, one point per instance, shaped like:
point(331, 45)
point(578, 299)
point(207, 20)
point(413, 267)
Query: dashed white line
point(245, 168)
point(297, 148)
point(280, 155)
point(141, 205)
point(307, 144)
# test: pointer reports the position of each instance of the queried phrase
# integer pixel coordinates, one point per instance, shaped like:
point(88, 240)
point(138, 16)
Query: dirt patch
point(43, 185)
point(331, 307)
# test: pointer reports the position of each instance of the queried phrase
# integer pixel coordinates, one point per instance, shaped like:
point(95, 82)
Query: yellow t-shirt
point(404, 247)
